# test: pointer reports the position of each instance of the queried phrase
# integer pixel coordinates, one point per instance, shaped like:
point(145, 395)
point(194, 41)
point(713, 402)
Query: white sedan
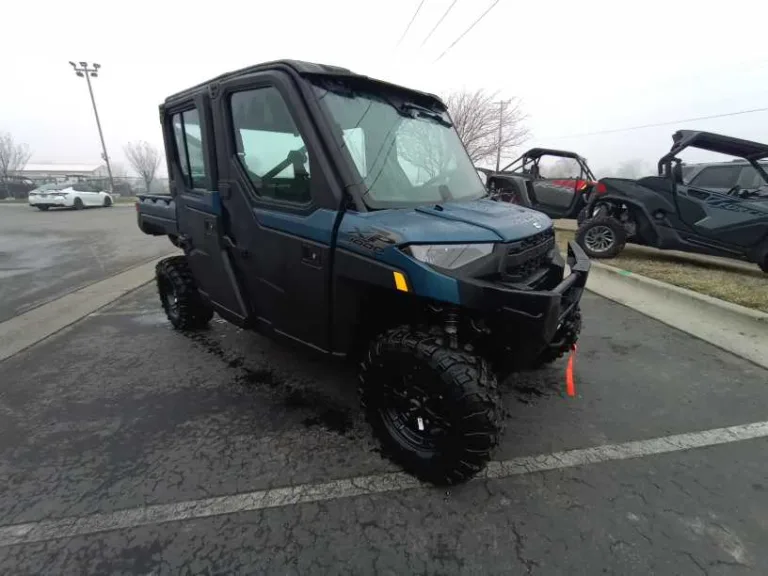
point(68, 195)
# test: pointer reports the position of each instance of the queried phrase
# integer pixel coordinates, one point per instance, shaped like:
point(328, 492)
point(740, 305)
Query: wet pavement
point(44, 255)
point(121, 412)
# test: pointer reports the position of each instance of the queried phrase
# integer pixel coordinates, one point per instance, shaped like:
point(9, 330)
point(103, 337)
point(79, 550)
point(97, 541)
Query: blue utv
point(342, 213)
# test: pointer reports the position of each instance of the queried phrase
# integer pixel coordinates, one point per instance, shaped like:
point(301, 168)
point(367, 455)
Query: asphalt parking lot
point(44, 255)
point(128, 448)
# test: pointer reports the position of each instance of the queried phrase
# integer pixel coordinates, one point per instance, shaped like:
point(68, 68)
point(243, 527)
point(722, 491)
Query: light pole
point(498, 144)
point(85, 71)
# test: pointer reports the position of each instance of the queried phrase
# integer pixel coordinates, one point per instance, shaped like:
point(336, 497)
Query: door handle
point(310, 255)
point(698, 194)
point(208, 226)
point(229, 243)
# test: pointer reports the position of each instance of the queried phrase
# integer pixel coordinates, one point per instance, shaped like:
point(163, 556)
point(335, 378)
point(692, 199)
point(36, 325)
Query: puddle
point(324, 413)
point(332, 418)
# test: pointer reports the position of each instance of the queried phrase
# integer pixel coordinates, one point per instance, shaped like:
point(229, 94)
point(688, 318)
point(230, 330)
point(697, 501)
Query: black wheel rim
point(599, 238)
point(170, 300)
point(414, 416)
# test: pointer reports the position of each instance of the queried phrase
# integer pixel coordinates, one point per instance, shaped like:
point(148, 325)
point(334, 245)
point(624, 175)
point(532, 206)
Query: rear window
point(54, 186)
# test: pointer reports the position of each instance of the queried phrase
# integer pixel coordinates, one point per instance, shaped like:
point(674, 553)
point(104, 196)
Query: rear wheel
point(764, 264)
point(179, 296)
point(78, 204)
point(601, 237)
point(43, 208)
point(436, 412)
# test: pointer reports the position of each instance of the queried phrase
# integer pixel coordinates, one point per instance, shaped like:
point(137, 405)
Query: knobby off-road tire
point(566, 338)
point(181, 301)
point(454, 394)
point(588, 234)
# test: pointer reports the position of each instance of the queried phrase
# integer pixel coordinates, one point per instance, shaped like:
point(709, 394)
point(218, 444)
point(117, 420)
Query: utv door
point(557, 189)
point(722, 218)
point(276, 188)
point(190, 148)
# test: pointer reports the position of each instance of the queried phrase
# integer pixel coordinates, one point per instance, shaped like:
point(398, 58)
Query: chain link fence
point(19, 188)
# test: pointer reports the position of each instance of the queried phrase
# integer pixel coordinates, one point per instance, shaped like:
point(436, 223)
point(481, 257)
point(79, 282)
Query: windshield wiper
point(424, 112)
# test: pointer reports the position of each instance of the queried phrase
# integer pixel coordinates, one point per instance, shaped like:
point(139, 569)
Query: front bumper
point(527, 319)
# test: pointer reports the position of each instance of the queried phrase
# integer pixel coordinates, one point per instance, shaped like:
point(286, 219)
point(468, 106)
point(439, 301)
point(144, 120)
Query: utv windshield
point(406, 154)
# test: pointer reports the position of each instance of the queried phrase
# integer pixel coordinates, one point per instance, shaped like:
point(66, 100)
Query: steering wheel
point(734, 191)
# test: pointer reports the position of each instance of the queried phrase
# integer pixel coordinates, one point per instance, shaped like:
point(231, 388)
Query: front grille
point(531, 241)
point(529, 258)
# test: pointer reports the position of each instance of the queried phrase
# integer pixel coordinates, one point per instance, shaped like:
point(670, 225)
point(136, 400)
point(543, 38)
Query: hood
point(476, 221)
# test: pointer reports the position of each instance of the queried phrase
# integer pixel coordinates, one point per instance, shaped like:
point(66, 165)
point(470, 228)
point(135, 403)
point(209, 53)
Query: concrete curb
point(29, 328)
point(739, 330)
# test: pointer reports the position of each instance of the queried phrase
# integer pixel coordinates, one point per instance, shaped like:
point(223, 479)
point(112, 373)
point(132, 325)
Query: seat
point(658, 183)
point(677, 173)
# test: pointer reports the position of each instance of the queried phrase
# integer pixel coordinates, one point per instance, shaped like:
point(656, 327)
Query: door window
point(717, 177)
point(189, 146)
point(269, 146)
point(553, 168)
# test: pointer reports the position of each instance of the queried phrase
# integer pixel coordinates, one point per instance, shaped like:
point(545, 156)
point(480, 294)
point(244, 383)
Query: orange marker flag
point(570, 387)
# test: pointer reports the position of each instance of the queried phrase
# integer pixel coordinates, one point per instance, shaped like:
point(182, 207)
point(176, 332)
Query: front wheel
point(601, 237)
point(436, 412)
point(179, 296)
point(107, 202)
point(42, 208)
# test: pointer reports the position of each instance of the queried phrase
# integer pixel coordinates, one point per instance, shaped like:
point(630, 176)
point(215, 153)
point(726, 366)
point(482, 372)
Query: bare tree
point(13, 158)
point(425, 149)
point(119, 170)
point(633, 168)
point(476, 116)
point(144, 159)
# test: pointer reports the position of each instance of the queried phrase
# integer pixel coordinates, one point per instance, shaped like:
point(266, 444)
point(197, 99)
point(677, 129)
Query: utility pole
point(85, 71)
point(498, 143)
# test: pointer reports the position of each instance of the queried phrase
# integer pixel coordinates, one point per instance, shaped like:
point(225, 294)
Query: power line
point(438, 22)
point(467, 30)
point(411, 22)
point(671, 122)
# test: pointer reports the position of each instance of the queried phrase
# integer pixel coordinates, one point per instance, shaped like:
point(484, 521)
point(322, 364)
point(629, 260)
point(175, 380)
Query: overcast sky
point(578, 66)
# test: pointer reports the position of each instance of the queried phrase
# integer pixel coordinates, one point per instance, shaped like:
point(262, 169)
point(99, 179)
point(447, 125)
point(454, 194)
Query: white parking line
point(361, 486)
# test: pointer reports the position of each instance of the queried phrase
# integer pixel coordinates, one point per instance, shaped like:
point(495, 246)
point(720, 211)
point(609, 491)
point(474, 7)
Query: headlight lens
point(450, 256)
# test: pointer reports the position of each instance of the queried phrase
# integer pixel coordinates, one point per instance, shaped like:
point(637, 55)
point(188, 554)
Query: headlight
point(450, 256)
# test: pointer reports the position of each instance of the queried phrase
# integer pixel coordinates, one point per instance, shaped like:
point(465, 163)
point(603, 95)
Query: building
point(42, 173)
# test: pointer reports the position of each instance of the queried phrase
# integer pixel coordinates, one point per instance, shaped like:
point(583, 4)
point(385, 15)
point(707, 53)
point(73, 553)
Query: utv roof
point(538, 152)
point(306, 69)
point(717, 143)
